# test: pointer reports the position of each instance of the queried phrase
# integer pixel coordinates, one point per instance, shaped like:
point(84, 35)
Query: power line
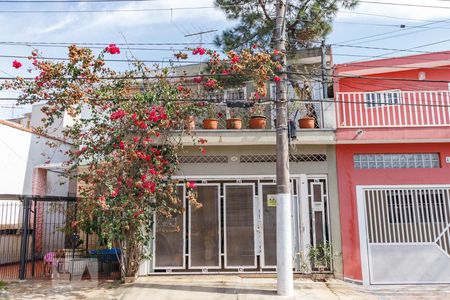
point(212, 101)
point(100, 43)
point(71, 1)
point(395, 31)
point(386, 16)
point(109, 10)
point(405, 4)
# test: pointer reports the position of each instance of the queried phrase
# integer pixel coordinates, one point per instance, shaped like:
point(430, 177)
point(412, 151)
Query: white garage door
point(405, 234)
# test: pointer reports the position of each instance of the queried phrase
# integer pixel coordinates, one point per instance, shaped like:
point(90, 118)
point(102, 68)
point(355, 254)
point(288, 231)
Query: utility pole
point(324, 70)
point(285, 280)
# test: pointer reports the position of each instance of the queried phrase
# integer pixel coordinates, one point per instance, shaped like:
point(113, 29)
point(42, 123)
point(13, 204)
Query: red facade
point(409, 113)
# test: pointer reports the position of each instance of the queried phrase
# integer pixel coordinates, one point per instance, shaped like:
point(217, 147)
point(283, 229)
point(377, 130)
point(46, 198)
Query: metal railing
point(296, 111)
point(393, 109)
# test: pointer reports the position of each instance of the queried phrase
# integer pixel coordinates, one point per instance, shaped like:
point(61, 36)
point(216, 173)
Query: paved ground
point(211, 287)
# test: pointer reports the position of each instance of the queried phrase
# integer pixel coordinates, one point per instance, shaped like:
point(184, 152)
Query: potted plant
point(257, 119)
point(307, 110)
point(234, 122)
point(320, 257)
point(189, 123)
point(210, 121)
point(308, 120)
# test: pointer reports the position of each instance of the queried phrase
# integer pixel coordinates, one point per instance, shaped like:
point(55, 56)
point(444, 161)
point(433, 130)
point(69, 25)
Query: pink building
point(393, 163)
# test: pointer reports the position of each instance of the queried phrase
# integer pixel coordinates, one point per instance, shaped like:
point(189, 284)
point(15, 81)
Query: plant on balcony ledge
point(308, 115)
point(211, 116)
point(234, 121)
point(258, 119)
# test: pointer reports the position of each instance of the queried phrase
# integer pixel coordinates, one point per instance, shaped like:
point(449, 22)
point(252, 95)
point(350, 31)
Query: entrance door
point(405, 234)
point(269, 220)
point(204, 229)
point(239, 225)
point(169, 239)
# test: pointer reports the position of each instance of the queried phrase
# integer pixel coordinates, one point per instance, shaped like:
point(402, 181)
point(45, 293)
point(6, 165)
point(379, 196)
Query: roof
point(395, 64)
point(31, 130)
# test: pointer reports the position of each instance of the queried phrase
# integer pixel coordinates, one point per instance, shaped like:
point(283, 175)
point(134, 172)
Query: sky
point(421, 26)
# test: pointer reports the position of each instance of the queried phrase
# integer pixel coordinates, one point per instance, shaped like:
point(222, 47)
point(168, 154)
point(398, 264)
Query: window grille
point(204, 159)
point(271, 158)
point(396, 161)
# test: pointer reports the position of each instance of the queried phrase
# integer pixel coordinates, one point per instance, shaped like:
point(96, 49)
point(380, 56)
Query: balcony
point(322, 133)
point(393, 109)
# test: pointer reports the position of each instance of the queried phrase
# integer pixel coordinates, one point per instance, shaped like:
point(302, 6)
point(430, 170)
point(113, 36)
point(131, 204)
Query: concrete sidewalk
point(211, 287)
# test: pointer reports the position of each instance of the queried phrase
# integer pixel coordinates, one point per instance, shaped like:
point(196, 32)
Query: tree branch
point(263, 6)
point(297, 19)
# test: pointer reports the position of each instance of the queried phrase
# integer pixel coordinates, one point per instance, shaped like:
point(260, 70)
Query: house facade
point(235, 230)
point(393, 165)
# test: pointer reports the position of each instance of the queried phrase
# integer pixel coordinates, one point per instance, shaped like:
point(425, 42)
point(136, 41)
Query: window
point(235, 94)
point(376, 99)
point(396, 161)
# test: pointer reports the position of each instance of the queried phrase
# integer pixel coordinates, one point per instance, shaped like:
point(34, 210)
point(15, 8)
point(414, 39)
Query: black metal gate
point(36, 234)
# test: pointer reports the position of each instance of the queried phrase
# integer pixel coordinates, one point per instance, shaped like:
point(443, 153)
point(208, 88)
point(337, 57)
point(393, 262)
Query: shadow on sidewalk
point(205, 289)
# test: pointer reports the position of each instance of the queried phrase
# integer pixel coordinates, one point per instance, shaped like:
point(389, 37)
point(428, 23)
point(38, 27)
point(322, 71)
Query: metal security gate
point(405, 234)
point(235, 229)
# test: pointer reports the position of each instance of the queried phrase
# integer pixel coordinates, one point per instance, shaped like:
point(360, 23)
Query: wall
point(349, 178)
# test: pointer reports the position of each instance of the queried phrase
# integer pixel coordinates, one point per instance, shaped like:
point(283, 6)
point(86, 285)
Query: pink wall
point(367, 84)
point(349, 178)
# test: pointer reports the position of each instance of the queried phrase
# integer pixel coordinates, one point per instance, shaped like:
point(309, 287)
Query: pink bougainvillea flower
point(151, 186)
point(121, 145)
point(225, 72)
point(199, 51)
point(203, 151)
point(198, 79)
point(117, 115)
point(219, 115)
point(16, 64)
point(211, 83)
point(276, 52)
point(153, 171)
point(254, 46)
point(191, 185)
point(235, 59)
point(115, 193)
point(202, 141)
point(276, 78)
point(180, 88)
point(257, 96)
point(112, 49)
point(138, 213)
point(135, 139)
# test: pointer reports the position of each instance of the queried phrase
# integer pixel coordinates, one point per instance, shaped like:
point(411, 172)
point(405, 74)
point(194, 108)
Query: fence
point(393, 109)
point(36, 239)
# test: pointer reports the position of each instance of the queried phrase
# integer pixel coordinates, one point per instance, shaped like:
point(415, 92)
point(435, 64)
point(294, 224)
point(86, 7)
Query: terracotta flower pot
point(257, 122)
point(307, 122)
point(210, 123)
point(189, 123)
point(234, 123)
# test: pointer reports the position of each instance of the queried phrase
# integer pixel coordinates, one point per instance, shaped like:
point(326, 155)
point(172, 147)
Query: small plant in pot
point(211, 117)
point(257, 118)
point(320, 257)
point(234, 122)
point(308, 120)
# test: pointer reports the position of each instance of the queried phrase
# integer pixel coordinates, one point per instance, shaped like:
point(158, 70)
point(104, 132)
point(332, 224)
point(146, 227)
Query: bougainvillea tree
point(126, 129)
